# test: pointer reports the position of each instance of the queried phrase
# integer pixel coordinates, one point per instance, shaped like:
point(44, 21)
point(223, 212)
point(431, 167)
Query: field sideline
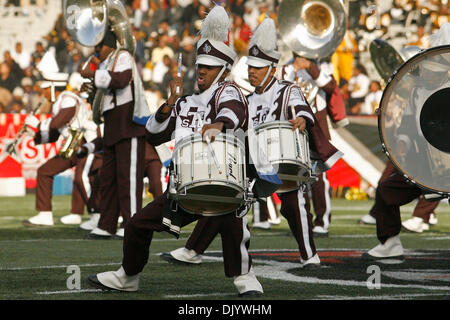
point(36, 263)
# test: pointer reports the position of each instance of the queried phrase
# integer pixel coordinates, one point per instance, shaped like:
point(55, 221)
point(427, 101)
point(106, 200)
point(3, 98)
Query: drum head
point(413, 119)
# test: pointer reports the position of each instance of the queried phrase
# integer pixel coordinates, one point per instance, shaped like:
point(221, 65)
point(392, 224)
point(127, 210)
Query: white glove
point(32, 122)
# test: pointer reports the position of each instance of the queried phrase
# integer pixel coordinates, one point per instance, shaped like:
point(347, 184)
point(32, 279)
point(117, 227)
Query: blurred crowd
point(165, 28)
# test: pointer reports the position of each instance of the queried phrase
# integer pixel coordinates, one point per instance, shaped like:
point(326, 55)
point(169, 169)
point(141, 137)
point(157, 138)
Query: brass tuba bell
point(312, 29)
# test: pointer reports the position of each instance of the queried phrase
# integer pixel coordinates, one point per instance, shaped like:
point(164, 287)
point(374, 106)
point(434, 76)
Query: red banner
point(29, 156)
point(342, 175)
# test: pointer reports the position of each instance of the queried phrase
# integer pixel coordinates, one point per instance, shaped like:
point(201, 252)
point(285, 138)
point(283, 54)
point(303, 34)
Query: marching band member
point(95, 159)
point(68, 110)
point(328, 102)
point(394, 190)
point(422, 217)
point(224, 108)
point(123, 143)
point(270, 102)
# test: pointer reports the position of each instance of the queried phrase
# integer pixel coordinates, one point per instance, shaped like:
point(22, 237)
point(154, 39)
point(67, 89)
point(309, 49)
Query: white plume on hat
point(439, 38)
point(263, 45)
point(76, 81)
point(216, 25)
point(442, 36)
point(265, 36)
point(48, 62)
point(211, 48)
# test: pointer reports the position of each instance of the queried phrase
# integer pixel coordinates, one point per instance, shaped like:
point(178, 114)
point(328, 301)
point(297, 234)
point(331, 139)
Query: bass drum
point(414, 120)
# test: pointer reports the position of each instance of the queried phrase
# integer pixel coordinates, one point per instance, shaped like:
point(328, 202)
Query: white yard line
point(215, 294)
point(383, 297)
point(438, 238)
point(68, 291)
point(279, 271)
point(443, 208)
point(76, 240)
point(60, 266)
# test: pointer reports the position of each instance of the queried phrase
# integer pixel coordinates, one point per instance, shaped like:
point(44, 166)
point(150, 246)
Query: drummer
point(222, 107)
point(271, 101)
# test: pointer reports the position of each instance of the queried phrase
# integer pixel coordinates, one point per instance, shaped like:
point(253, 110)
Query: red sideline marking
point(325, 256)
point(321, 254)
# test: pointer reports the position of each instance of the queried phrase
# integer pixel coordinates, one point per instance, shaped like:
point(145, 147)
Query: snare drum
point(196, 182)
point(287, 151)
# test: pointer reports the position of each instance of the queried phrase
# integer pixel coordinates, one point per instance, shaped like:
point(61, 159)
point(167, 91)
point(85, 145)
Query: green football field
point(46, 263)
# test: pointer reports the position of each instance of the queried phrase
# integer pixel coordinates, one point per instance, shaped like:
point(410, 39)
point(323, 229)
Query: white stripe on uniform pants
point(244, 251)
point(133, 172)
point(304, 222)
point(85, 174)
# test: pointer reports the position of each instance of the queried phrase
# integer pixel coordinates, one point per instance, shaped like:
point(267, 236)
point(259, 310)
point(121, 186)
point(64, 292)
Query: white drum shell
point(287, 151)
point(197, 176)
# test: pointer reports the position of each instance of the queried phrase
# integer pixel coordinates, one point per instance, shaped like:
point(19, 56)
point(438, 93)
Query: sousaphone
point(413, 120)
point(87, 22)
point(312, 29)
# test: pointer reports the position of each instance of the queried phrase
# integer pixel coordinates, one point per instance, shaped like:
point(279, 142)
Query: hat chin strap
point(53, 92)
point(265, 77)
point(220, 74)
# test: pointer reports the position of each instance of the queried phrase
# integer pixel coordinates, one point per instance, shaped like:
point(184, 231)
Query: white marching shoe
point(432, 220)
point(247, 285)
point(71, 219)
point(120, 233)
point(415, 224)
point(92, 223)
point(368, 219)
point(98, 233)
point(43, 218)
point(182, 255)
point(311, 263)
point(275, 221)
point(392, 248)
point(319, 231)
point(115, 280)
point(265, 225)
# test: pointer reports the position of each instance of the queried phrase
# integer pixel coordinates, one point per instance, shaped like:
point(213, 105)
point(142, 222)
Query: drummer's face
point(206, 75)
point(256, 75)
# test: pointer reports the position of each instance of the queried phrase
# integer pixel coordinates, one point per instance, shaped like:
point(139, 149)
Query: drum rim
point(289, 161)
point(387, 94)
point(236, 207)
point(197, 137)
point(217, 182)
point(285, 124)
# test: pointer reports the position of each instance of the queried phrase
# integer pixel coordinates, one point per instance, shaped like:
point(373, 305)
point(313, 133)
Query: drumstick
point(297, 131)
point(87, 62)
point(208, 141)
point(180, 56)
